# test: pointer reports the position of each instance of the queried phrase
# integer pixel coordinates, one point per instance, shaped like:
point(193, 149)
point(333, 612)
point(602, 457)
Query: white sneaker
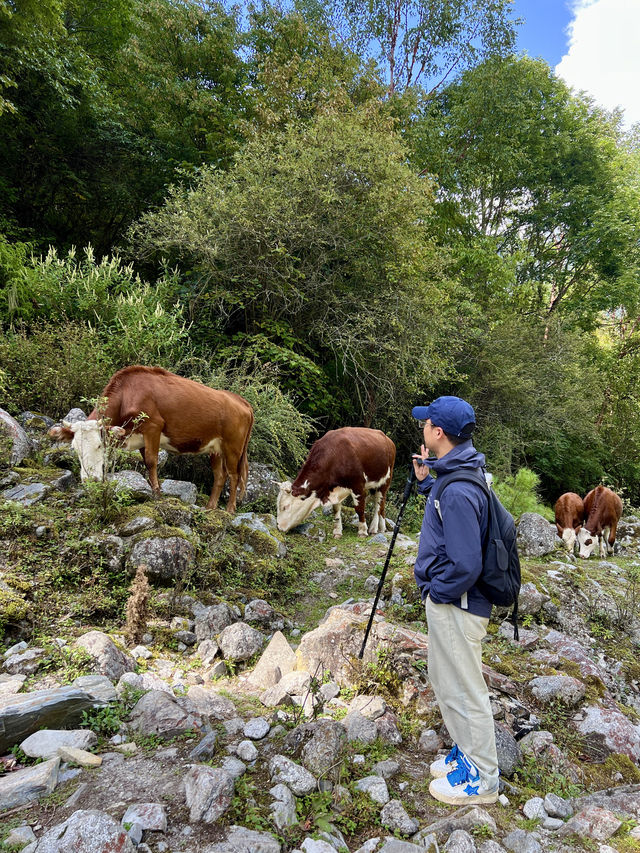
point(441, 766)
point(462, 785)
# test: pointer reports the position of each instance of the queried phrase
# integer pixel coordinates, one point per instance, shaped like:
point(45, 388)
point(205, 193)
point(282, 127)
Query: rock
point(430, 741)
point(24, 713)
point(295, 777)
point(395, 818)
point(35, 421)
point(15, 445)
point(11, 683)
point(388, 730)
point(460, 842)
point(99, 687)
point(375, 787)
point(530, 600)
point(24, 663)
point(209, 791)
point(263, 484)
point(150, 816)
point(110, 661)
point(465, 818)
point(241, 840)
point(263, 614)
point(592, 822)
point(133, 483)
point(212, 620)
point(360, 728)
point(184, 490)
point(136, 525)
point(387, 769)
point(255, 533)
point(19, 837)
point(204, 750)
point(247, 751)
point(549, 688)
point(509, 753)
point(607, 730)
point(24, 786)
point(164, 556)
point(370, 707)
point(26, 494)
point(519, 841)
point(535, 743)
point(394, 845)
point(158, 713)
point(90, 831)
point(256, 728)
point(310, 845)
point(81, 757)
point(207, 651)
point(109, 548)
point(211, 705)
point(322, 753)
point(142, 681)
point(45, 743)
point(536, 535)
point(240, 641)
point(534, 808)
point(556, 806)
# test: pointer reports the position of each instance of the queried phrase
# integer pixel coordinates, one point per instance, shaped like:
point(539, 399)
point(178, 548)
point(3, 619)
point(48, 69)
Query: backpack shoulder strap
point(466, 476)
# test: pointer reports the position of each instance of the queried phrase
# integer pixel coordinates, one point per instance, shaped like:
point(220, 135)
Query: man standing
point(447, 568)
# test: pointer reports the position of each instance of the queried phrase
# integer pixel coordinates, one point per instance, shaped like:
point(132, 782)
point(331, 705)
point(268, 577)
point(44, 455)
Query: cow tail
point(243, 463)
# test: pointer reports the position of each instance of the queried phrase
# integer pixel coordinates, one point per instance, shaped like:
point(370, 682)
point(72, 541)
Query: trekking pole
point(407, 491)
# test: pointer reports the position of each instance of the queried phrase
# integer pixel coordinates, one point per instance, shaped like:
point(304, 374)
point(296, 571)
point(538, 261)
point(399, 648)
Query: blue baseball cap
point(452, 414)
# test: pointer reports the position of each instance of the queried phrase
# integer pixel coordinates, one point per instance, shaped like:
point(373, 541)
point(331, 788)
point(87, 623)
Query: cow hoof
point(337, 535)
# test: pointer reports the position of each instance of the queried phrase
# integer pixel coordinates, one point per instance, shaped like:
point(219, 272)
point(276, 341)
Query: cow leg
point(375, 519)
point(362, 524)
point(232, 471)
point(219, 478)
point(150, 455)
point(602, 542)
point(382, 524)
point(612, 535)
point(337, 521)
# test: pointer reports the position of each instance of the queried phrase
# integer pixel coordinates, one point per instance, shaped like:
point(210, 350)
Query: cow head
point(294, 509)
point(88, 440)
point(587, 541)
point(569, 537)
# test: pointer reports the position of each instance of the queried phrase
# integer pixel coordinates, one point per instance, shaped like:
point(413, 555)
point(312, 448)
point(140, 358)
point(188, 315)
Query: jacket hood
point(462, 456)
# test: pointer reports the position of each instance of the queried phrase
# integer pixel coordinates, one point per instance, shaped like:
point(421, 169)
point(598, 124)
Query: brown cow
point(602, 509)
point(148, 408)
point(569, 510)
point(349, 461)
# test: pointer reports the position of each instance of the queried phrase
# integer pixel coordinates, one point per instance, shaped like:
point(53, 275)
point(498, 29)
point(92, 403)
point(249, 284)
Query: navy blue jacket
point(449, 558)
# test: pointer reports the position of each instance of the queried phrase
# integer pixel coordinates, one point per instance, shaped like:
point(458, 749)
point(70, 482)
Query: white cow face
point(294, 509)
point(569, 538)
point(587, 541)
point(89, 443)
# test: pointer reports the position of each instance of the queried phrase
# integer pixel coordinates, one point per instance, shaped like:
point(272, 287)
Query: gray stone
point(556, 806)
point(45, 743)
point(24, 663)
point(21, 445)
point(430, 741)
point(142, 681)
point(263, 613)
point(110, 548)
point(395, 818)
point(164, 557)
point(393, 845)
point(136, 525)
point(592, 822)
point(241, 840)
point(321, 754)
point(29, 784)
point(460, 842)
point(240, 641)
point(246, 751)
point(209, 791)
point(212, 620)
point(99, 687)
point(110, 660)
point(295, 777)
point(375, 787)
point(205, 749)
point(183, 489)
point(387, 769)
point(536, 535)
point(534, 808)
point(149, 816)
point(607, 730)
point(88, 831)
point(509, 753)
point(256, 728)
point(24, 713)
point(11, 683)
point(465, 818)
point(133, 483)
point(519, 841)
point(311, 845)
point(26, 494)
point(359, 728)
point(158, 713)
point(549, 688)
point(20, 836)
point(234, 767)
point(370, 707)
point(207, 651)
point(35, 421)
point(211, 705)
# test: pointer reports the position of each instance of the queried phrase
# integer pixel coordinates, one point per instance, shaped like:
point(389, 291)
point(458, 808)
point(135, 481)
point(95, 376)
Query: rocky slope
point(241, 719)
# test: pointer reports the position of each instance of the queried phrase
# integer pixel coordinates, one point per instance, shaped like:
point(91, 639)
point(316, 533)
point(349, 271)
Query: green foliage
point(107, 721)
point(518, 494)
point(245, 808)
point(543, 776)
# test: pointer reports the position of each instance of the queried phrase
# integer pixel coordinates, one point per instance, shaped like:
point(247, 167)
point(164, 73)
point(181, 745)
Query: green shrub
point(519, 494)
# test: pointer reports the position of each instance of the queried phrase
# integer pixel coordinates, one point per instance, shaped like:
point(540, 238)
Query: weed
point(482, 831)
point(245, 808)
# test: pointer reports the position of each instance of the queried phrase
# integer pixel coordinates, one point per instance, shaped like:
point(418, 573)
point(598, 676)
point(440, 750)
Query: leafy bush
point(518, 494)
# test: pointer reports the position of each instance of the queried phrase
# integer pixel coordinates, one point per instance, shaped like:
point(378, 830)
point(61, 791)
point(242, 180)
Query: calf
point(569, 510)
point(148, 408)
point(349, 461)
point(602, 509)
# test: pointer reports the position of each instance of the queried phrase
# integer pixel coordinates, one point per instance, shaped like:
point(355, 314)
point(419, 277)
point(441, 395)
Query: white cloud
point(604, 54)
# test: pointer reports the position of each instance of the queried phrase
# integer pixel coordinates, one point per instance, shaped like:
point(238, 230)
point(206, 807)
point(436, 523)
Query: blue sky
point(594, 45)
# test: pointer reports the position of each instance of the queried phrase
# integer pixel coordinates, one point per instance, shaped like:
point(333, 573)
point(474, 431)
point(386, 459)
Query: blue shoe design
point(442, 766)
point(462, 785)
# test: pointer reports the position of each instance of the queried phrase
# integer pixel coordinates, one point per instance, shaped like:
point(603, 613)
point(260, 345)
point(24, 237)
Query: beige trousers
point(455, 671)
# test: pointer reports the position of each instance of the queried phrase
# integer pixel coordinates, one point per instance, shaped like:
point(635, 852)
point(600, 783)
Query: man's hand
point(419, 464)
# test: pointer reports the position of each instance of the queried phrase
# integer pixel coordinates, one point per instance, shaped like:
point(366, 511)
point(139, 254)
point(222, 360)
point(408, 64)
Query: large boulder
point(90, 831)
point(164, 556)
point(536, 535)
point(110, 660)
point(240, 641)
point(158, 713)
point(29, 784)
point(15, 444)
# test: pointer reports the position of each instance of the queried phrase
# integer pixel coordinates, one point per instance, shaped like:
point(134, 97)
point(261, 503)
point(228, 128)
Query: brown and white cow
point(148, 408)
point(569, 510)
point(350, 461)
point(602, 509)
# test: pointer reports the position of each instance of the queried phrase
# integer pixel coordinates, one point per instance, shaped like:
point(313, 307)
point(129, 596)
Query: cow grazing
point(569, 510)
point(602, 509)
point(349, 461)
point(148, 408)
